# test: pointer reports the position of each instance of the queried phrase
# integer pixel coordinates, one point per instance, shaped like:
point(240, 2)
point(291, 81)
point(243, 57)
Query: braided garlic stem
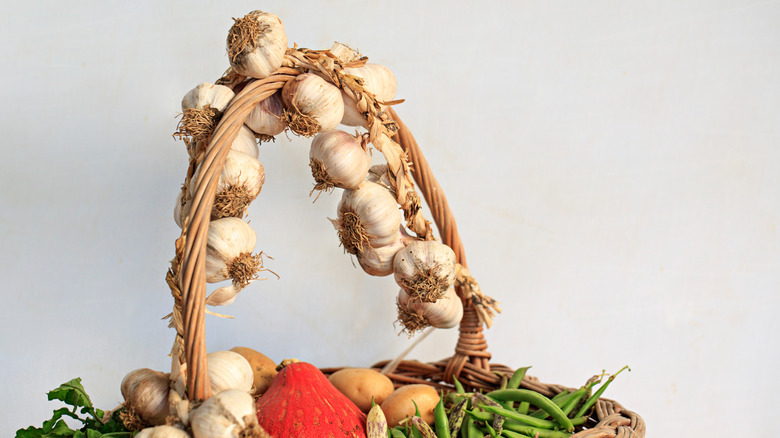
point(380, 127)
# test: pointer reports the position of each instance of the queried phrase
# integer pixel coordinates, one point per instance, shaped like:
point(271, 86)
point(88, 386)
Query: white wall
point(613, 167)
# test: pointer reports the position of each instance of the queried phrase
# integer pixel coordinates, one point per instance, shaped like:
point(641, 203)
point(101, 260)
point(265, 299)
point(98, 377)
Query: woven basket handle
point(471, 344)
point(196, 227)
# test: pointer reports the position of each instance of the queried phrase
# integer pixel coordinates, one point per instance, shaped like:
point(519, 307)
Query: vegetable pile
point(510, 411)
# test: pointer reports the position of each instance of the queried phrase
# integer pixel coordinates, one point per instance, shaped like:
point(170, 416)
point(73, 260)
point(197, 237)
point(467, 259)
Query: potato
point(360, 384)
point(399, 405)
point(263, 368)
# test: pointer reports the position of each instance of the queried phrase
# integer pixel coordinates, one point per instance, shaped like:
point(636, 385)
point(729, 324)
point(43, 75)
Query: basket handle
point(192, 274)
point(471, 346)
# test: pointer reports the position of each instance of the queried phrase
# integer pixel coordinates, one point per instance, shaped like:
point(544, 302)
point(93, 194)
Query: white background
point(613, 166)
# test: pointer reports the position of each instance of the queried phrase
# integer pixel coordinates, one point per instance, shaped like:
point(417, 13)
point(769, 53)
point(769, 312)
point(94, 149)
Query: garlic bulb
point(367, 216)
point(377, 80)
point(267, 118)
point(246, 142)
point(146, 394)
point(206, 94)
point(425, 269)
point(229, 370)
point(256, 44)
point(312, 104)
point(240, 182)
point(162, 432)
point(379, 261)
point(446, 312)
point(202, 108)
point(228, 414)
point(229, 251)
point(338, 159)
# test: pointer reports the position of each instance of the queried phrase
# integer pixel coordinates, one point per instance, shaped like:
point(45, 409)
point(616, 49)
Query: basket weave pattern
point(470, 363)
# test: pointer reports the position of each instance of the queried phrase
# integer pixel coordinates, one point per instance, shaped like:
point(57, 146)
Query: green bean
point(572, 402)
point(560, 399)
point(516, 426)
point(510, 434)
point(517, 377)
point(523, 407)
point(458, 386)
point(481, 415)
point(422, 427)
point(537, 400)
point(504, 381)
point(527, 419)
point(457, 414)
point(491, 431)
point(474, 431)
point(470, 429)
point(440, 419)
point(396, 433)
point(413, 431)
point(498, 421)
point(593, 398)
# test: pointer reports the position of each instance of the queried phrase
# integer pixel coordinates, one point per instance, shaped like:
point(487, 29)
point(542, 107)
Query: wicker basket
point(470, 363)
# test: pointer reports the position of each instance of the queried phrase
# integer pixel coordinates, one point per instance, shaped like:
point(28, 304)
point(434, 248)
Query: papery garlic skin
point(207, 94)
point(344, 53)
point(180, 210)
point(379, 261)
point(227, 414)
point(377, 80)
point(246, 142)
point(162, 432)
point(146, 392)
point(378, 174)
point(224, 295)
point(267, 118)
point(312, 104)
point(367, 216)
point(256, 44)
point(425, 269)
point(338, 159)
point(228, 239)
point(229, 370)
point(446, 312)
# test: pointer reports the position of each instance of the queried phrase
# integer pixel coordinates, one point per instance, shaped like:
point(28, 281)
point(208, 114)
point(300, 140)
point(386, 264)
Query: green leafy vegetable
point(92, 419)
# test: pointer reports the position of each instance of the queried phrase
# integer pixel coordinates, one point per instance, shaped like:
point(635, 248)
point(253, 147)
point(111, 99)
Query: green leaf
point(114, 423)
point(48, 425)
point(72, 393)
point(91, 433)
point(60, 429)
point(30, 432)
